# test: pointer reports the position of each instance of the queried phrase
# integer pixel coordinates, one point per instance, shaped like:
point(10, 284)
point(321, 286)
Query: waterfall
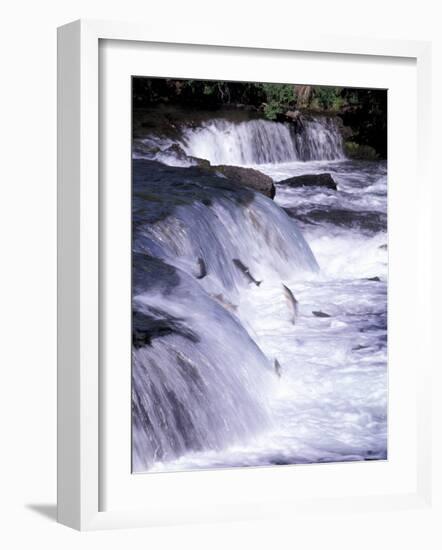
point(243, 354)
point(199, 379)
point(270, 242)
point(201, 385)
point(319, 139)
point(262, 141)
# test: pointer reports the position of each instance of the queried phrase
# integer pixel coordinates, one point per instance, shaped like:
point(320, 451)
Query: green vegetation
point(272, 99)
point(363, 111)
point(279, 98)
point(327, 98)
point(362, 152)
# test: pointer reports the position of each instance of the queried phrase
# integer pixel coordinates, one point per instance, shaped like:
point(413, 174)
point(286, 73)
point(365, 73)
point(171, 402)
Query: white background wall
point(28, 276)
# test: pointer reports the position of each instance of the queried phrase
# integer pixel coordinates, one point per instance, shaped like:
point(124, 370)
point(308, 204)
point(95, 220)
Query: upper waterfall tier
point(263, 142)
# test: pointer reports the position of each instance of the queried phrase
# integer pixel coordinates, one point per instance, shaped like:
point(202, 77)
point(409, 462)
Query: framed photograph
point(244, 276)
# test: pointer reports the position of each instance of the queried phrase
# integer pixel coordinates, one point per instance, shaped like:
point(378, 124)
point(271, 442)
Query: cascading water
point(210, 313)
point(202, 381)
point(201, 384)
point(263, 141)
point(247, 143)
point(319, 139)
point(270, 242)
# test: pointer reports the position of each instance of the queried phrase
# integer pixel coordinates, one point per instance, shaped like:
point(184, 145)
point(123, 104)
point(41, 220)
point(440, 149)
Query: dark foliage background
point(363, 111)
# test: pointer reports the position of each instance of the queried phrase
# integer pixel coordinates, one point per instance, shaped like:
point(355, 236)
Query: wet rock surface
point(311, 180)
point(249, 177)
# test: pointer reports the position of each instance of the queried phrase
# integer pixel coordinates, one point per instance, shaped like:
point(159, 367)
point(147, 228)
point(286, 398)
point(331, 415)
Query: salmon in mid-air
point(245, 270)
point(292, 303)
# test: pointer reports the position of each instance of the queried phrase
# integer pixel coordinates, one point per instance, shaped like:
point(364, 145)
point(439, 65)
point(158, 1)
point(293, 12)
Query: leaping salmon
point(320, 314)
point(225, 303)
point(292, 302)
point(245, 270)
point(278, 368)
point(203, 269)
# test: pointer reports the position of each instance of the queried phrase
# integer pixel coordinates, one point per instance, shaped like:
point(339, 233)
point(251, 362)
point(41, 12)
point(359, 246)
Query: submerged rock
point(311, 180)
point(367, 222)
point(248, 177)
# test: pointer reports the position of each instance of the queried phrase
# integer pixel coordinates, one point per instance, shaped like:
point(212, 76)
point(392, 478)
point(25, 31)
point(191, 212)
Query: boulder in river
point(254, 179)
point(311, 180)
point(202, 163)
point(176, 151)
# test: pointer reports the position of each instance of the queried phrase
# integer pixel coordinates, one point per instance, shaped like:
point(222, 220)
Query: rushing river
point(205, 390)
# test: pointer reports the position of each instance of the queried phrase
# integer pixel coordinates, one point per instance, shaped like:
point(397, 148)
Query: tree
point(278, 98)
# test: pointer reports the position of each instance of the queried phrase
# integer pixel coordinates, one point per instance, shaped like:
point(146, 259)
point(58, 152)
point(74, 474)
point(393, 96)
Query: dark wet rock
point(311, 180)
point(202, 163)
point(177, 151)
point(155, 324)
point(152, 274)
point(150, 150)
point(159, 189)
point(365, 221)
point(244, 108)
point(248, 177)
point(320, 314)
point(155, 121)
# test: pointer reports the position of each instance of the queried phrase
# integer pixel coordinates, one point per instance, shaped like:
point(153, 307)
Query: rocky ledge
point(248, 177)
point(311, 180)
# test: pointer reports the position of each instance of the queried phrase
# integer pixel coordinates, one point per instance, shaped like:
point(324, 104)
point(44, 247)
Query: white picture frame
point(80, 446)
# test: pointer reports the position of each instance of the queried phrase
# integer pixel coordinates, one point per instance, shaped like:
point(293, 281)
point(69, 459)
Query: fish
point(203, 269)
point(278, 368)
point(320, 314)
point(225, 303)
point(245, 270)
point(292, 302)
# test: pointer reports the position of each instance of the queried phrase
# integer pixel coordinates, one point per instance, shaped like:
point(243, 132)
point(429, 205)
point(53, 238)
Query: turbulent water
point(263, 141)
point(211, 314)
point(245, 143)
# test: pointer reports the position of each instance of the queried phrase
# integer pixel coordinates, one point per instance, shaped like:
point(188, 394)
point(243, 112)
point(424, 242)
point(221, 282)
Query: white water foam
point(262, 141)
point(331, 400)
